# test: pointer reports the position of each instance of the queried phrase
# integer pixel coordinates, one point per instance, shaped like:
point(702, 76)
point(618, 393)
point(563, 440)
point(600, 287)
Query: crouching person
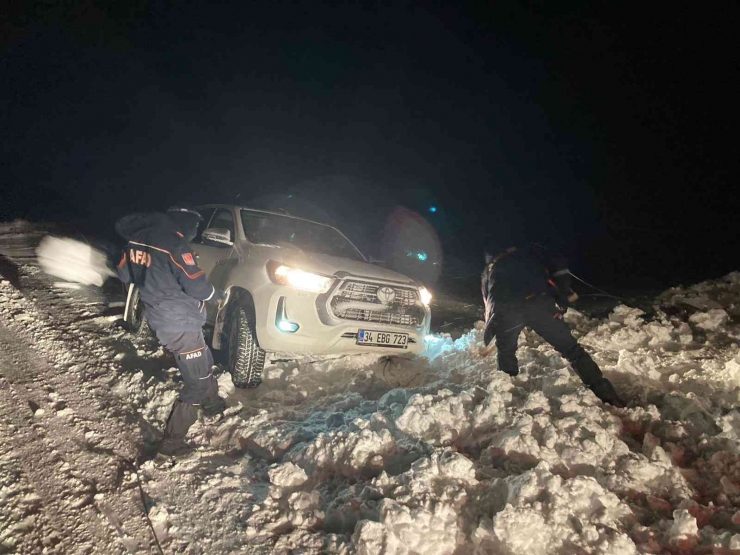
point(158, 260)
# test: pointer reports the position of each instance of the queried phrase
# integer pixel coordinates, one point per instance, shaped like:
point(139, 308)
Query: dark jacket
point(521, 273)
point(162, 265)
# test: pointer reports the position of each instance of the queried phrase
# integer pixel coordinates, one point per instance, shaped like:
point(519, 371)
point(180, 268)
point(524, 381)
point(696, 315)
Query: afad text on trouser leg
point(196, 374)
point(190, 355)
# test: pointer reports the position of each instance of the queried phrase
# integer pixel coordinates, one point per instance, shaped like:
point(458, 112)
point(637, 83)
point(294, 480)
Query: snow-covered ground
point(359, 455)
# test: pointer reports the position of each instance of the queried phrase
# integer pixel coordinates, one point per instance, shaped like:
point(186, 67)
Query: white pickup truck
point(298, 287)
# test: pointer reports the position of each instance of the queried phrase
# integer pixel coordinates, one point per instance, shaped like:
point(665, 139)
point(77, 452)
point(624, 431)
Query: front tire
point(135, 321)
point(246, 359)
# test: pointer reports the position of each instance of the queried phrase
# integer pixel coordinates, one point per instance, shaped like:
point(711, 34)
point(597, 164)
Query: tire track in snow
point(50, 453)
point(20, 512)
point(82, 374)
point(72, 455)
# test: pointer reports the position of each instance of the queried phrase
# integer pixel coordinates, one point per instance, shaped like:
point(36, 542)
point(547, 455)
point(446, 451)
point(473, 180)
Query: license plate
point(373, 338)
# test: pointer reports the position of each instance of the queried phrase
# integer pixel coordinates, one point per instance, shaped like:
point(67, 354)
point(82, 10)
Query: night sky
point(606, 129)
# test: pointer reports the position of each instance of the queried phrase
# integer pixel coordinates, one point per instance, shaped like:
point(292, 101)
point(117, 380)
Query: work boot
point(183, 416)
point(174, 447)
point(508, 364)
point(605, 391)
point(213, 403)
point(213, 406)
point(590, 373)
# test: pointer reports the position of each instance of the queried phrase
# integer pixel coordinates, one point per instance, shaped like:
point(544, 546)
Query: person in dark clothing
point(530, 287)
point(159, 261)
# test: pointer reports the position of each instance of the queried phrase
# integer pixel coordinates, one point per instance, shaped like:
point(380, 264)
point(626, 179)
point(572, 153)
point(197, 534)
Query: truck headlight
point(298, 279)
point(426, 296)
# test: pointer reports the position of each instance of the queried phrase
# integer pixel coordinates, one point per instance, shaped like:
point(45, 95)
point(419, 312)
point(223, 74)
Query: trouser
point(195, 361)
point(541, 314)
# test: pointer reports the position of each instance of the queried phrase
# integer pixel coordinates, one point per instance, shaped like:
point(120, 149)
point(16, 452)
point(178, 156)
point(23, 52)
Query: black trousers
point(195, 361)
point(540, 314)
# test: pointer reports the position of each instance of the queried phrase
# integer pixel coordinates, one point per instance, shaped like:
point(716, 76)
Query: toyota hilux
point(298, 287)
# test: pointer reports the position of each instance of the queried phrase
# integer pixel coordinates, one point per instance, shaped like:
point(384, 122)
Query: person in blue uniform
point(174, 290)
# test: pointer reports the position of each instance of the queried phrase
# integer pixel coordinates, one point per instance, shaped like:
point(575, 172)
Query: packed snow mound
point(445, 454)
point(73, 261)
point(418, 509)
point(723, 293)
point(547, 506)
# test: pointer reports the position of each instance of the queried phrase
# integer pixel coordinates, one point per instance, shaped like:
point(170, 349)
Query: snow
point(683, 526)
point(287, 475)
point(360, 455)
point(73, 261)
point(711, 320)
point(557, 513)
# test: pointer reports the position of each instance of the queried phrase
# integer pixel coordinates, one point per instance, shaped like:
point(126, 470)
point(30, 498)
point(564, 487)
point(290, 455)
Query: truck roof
point(273, 212)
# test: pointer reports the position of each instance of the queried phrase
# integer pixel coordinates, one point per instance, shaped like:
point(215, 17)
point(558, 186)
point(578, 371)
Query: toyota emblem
point(386, 295)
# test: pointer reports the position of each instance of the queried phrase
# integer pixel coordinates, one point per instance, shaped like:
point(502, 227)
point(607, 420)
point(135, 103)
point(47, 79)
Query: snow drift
point(447, 455)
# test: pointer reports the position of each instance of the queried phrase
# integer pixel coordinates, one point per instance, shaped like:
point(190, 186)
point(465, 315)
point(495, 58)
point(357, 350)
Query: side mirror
point(218, 235)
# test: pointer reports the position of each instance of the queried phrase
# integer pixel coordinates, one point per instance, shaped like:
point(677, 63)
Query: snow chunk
point(437, 419)
point(160, 518)
point(710, 321)
point(684, 526)
point(226, 387)
point(656, 475)
point(546, 514)
point(639, 365)
point(627, 316)
point(287, 475)
point(346, 452)
point(408, 531)
point(304, 509)
point(421, 509)
point(583, 437)
point(73, 261)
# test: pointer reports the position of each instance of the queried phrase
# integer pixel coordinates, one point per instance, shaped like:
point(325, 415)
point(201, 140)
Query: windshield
point(273, 229)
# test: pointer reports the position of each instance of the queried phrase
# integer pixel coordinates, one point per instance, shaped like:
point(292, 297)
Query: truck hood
point(335, 266)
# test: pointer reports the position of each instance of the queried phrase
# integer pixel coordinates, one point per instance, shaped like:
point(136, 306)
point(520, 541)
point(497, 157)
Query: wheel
point(135, 321)
point(246, 359)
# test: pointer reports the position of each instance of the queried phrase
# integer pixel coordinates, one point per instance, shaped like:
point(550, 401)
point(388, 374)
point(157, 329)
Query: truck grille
point(359, 301)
